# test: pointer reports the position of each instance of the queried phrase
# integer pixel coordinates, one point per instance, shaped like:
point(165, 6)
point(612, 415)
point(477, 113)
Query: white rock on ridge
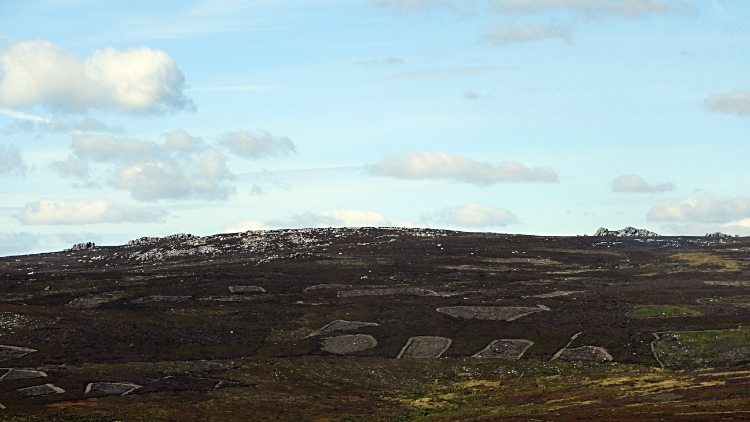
point(81, 246)
point(626, 232)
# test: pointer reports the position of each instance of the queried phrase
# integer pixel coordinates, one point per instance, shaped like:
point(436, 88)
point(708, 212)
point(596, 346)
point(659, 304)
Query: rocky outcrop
point(81, 246)
point(149, 240)
point(718, 234)
point(626, 232)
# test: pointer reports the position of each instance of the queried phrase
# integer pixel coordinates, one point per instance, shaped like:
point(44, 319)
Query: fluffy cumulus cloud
point(248, 145)
point(735, 101)
point(180, 168)
point(11, 161)
point(440, 165)
point(84, 211)
point(501, 35)
point(138, 80)
point(168, 178)
point(475, 215)
point(707, 209)
point(633, 183)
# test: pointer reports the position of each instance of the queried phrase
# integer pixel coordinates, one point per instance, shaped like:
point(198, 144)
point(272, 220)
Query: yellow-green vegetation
point(708, 262)
point(692, 348)
point(662, 311)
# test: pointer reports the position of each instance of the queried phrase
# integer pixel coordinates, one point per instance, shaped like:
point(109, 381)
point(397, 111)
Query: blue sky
point(548, 117)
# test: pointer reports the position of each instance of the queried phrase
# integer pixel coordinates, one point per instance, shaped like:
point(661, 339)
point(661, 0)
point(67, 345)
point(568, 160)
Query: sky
point(547, 117)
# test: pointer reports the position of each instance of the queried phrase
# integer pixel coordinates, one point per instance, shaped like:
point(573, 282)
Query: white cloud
point(440, 165)
point(171, 179)
point(245, 225)
point(633, 183)
point(137, 80)
point(28, 123)
point(84, 211)
point(628, 8)
point(505, 34)
point(735, 101)
point(107, 148)
point(181, 168)
point(334, 218)
point(248, 145)
point(11, 161)
point(72, 166)
point(475, 215)
point(707, 209)
point(180, 140)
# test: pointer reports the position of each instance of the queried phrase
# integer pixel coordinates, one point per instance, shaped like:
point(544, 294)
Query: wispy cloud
point(249, 145)
point(441, 74)
point(84, 211)
point(440, 165)
point(632, 183)
point(11, 160)
point(735, 101)
point(474, 215)
point(505, 34)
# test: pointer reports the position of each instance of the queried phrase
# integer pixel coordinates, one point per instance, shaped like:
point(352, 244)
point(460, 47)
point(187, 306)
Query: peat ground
point(230, 328)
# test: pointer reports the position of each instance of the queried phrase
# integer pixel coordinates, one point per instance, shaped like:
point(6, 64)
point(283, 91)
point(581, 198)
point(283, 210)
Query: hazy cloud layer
point(473, 96)
point(180, 168)
point(24, 122)
point(475, 215)
point(440, 165)
point(248, 145)
point(16, 243)
point(138, 80)
point(501, 35)
point(84, 211)
point(634, 183)
point(11, 161)
point(391, 61)
point(334, 218)
point(590, 8)
point(735, 101)
point(707, 209)
point(628, 8)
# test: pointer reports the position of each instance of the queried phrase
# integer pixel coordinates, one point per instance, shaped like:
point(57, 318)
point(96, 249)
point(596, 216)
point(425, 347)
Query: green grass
point(701, 347)
point(662, 311)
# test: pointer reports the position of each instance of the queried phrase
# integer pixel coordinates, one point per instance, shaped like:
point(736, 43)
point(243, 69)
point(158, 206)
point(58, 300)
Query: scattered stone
point(326, 286)
point(40, 390)
point(591, 353)
point(159, 298)
point(81, 246)
point(556, 293)
point(235, 298)
point(495, 313)
point(626, 232)
point(22, 374)
point(111, 388)
point(400, 291)
point(342, 325)
point(1, 406)
point(246, 289)
point(343, 345)
point(505, 349)
point(94, 300)
point(425, 347)
point(11, 352)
